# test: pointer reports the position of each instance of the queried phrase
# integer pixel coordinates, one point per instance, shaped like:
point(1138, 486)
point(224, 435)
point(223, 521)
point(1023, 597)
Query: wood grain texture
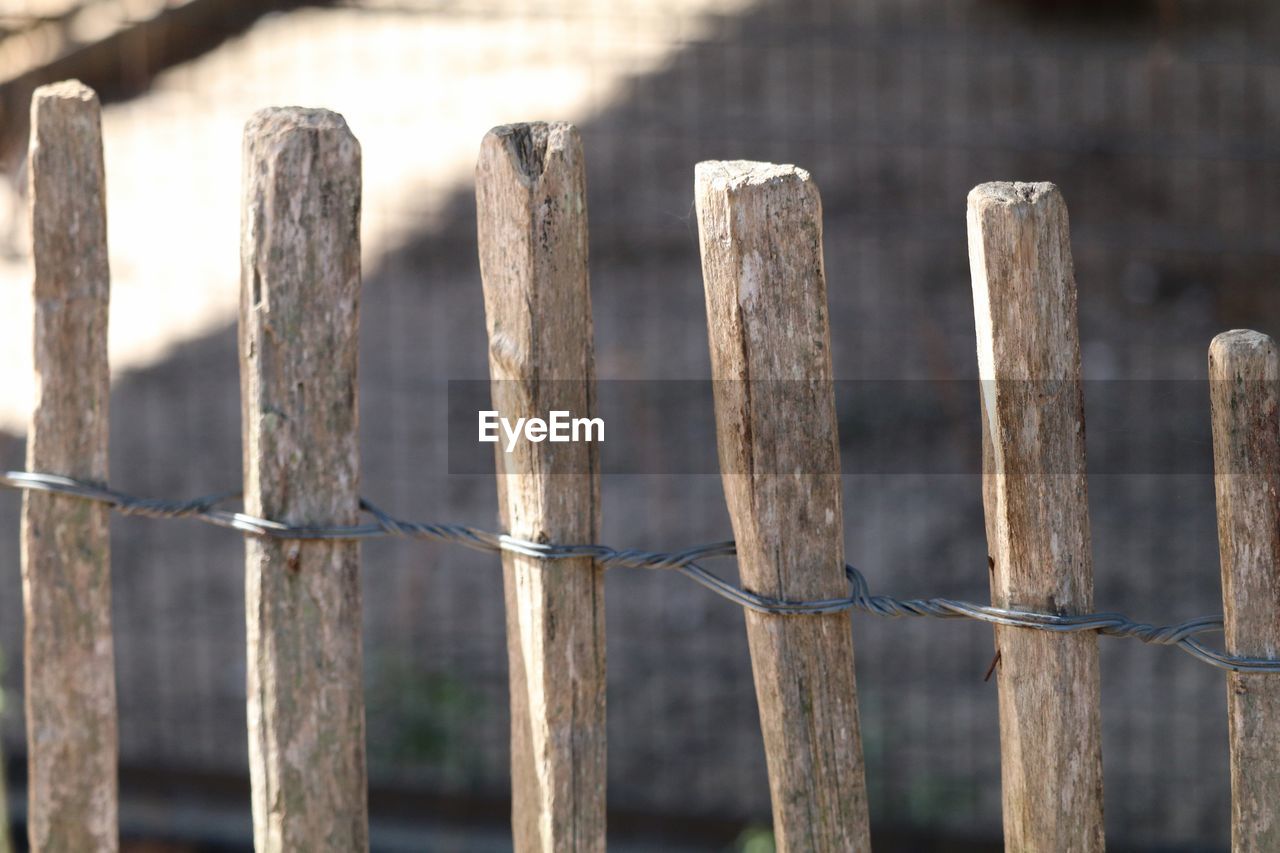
point(1036, 499)
point(1244, 382)
point(66, 560)
point(299, 315)
point(760, 229)
point(532, 222)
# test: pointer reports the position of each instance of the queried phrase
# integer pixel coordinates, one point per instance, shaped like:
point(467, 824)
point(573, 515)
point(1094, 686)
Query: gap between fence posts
point(1244, 387)
point(532, 224)
point(1035, 494)
point(760, 229)
point(66, 551)
point(299, 315)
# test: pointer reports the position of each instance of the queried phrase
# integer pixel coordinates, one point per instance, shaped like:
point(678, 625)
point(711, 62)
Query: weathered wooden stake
point(1244, 382)
point(760, 229)
point(532, 220)
point(299, 314)
point(66, 559)
point(1036, 500)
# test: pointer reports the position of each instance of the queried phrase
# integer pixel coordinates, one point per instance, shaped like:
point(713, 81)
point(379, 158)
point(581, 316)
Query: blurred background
point(1159, 120)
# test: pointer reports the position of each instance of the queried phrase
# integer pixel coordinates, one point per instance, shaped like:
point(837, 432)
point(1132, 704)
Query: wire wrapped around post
point(687, 562)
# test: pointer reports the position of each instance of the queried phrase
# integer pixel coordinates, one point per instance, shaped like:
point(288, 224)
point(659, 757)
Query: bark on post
point(66, 560)
point(532, 221)
point(1244, 382)
point(760, 229)
point(299, 311)
point(1036, 500)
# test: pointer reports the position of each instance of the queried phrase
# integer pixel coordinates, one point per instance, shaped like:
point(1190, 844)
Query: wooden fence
point(760, 228)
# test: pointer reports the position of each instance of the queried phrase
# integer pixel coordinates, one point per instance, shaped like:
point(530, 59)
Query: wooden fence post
point(66, 556)
point(760, 229)
point(1244, 387)
point(299, 314)
point(1036, 499)
point(532, 223)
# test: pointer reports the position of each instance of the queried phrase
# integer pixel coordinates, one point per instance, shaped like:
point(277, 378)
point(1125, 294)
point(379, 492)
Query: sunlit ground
point(419, 87)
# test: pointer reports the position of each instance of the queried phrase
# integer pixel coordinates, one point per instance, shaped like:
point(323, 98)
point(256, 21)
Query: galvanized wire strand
point(686, 562)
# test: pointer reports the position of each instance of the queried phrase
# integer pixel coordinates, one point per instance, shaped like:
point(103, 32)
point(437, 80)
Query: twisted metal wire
point(686, 562)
